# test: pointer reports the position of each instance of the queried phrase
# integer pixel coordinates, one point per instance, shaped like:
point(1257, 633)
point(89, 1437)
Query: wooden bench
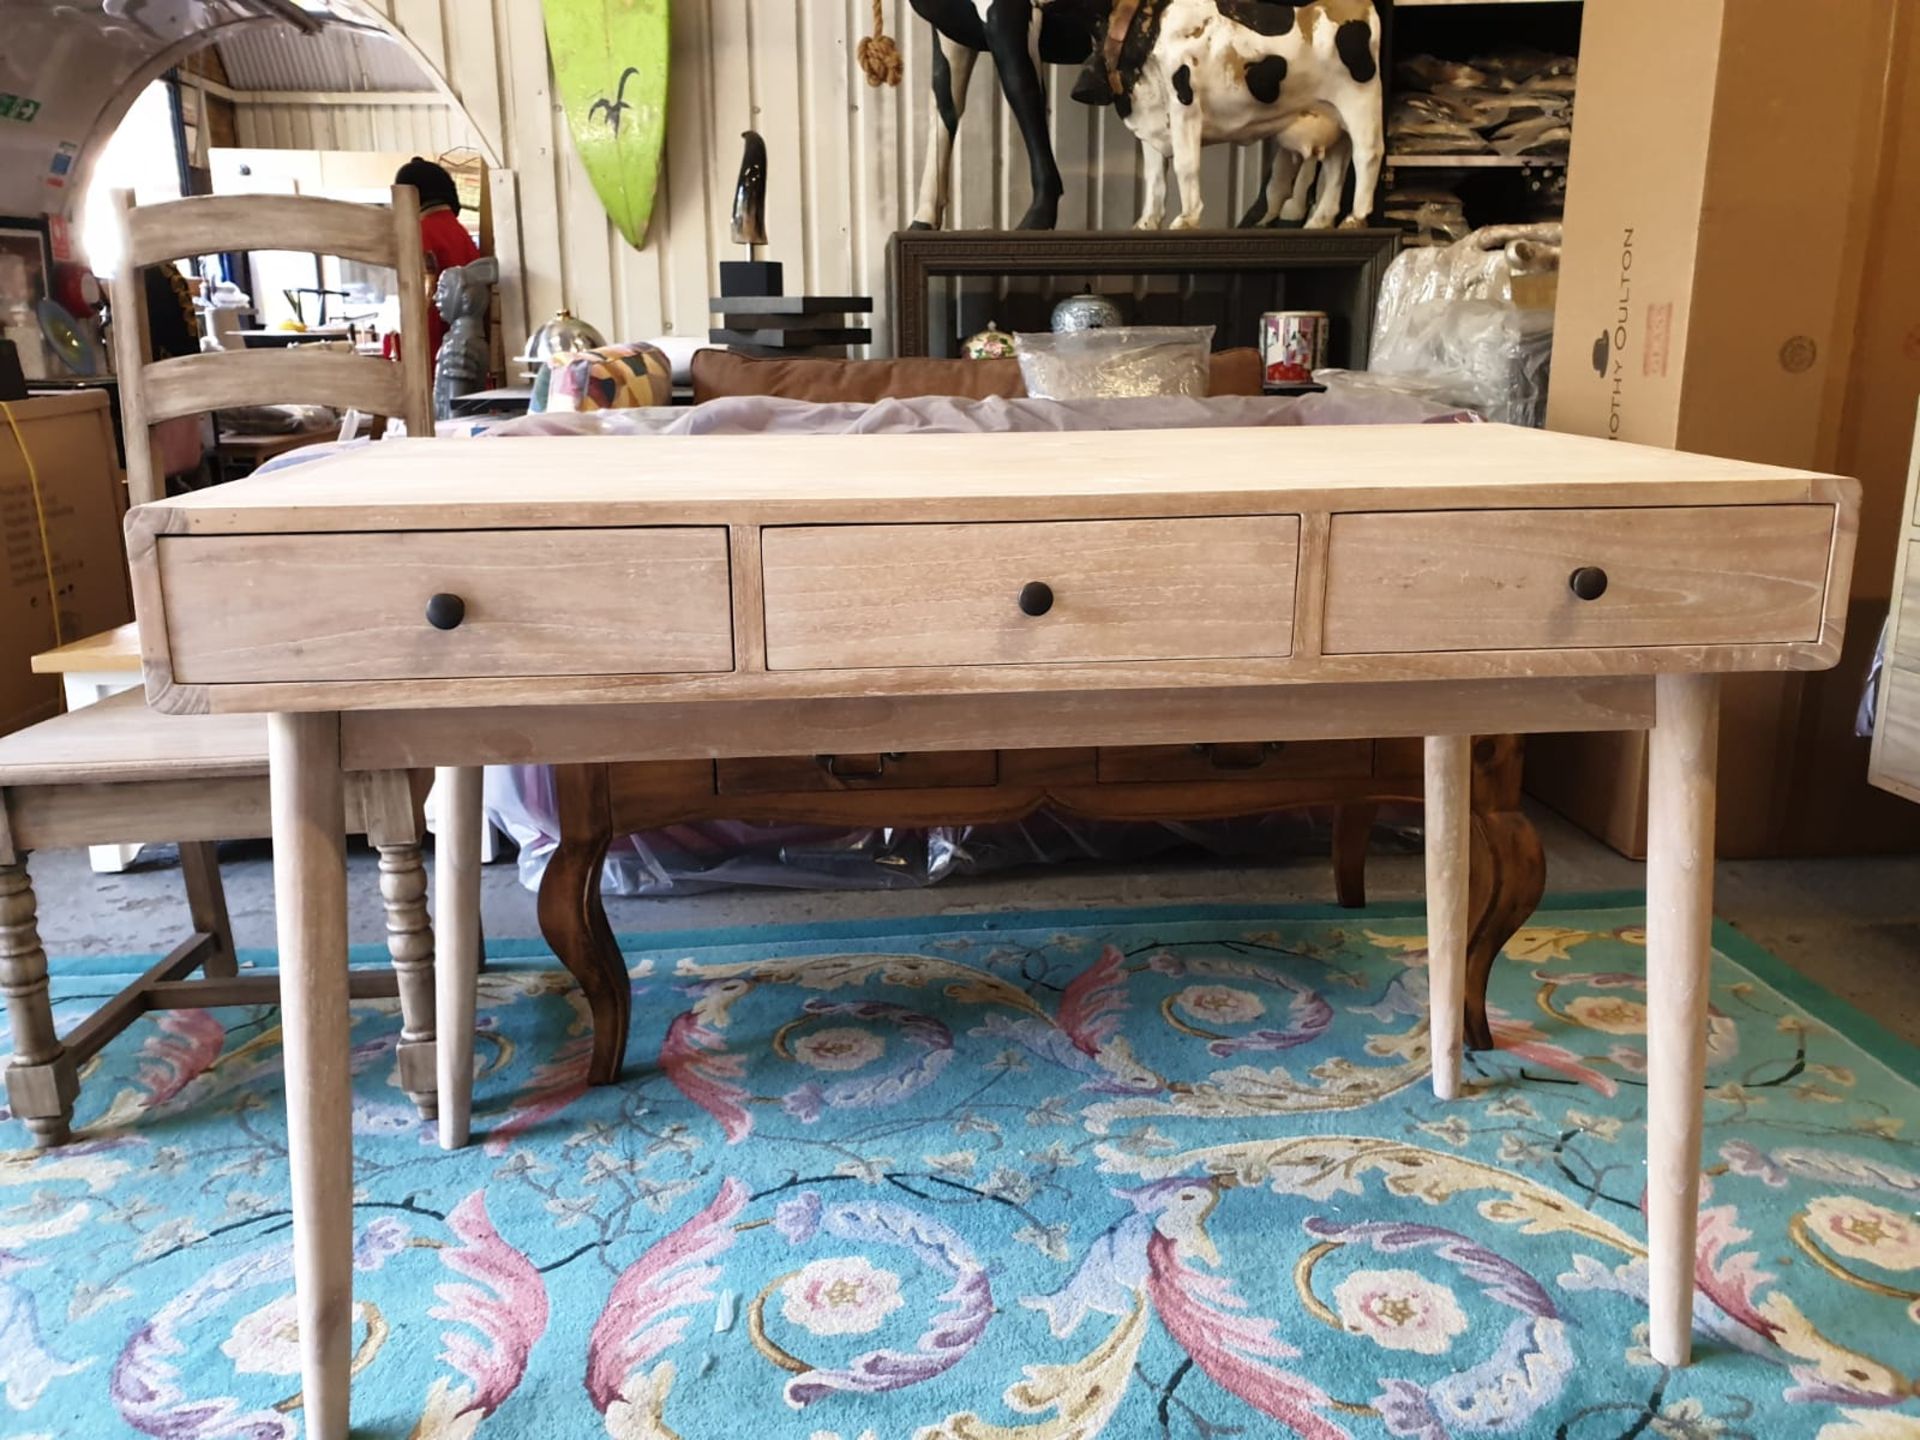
point(110, 772)
point(116, 772)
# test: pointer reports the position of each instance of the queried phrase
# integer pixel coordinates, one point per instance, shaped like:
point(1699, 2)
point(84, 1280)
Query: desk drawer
point(821, 774)
point(532, 602)
point(851, 597)
point(1505, 579)
point(1277, 760)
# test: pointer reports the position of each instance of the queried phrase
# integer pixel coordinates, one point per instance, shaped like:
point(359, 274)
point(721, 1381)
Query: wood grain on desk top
point(615, 480)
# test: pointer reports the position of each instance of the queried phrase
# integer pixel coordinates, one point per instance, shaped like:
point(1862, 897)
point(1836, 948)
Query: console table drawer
point(529, 603)
point(852, 597)
point(1277, 760)
point(816, 774)
point(1562, 579)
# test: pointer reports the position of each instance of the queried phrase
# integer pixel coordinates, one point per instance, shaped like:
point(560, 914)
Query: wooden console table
point(574, 601)
point(1204, 781)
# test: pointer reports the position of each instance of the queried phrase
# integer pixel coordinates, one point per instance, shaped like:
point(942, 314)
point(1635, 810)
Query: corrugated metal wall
point(844, 159)
point(429, 129)
point(339, 58)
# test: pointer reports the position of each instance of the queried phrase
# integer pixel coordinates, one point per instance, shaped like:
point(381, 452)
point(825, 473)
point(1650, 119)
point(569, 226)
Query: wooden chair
point(155, 390)
point(115, 772)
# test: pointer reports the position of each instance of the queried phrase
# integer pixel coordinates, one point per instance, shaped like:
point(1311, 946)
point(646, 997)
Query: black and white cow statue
point(1185, 74)
point(1021, 35)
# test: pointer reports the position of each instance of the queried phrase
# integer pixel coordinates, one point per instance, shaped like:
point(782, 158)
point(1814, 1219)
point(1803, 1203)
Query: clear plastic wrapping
point(1118, 362)
point(715, 854)
point(1447, 328)
point(1870, 691)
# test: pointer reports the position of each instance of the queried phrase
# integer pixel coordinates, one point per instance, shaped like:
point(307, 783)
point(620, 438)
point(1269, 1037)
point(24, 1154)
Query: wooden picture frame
point(1223, 278)
point(28, 238)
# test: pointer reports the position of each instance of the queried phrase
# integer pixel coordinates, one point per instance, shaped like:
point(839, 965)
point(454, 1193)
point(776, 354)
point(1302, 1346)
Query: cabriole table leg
point(1680, 804)
point(1448, 841)
point(310, 906)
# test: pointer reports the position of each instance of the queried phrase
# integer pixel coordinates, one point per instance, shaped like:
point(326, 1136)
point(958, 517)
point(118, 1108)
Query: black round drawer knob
point(1589, 582)
point(445, 612)
point(1036, 598)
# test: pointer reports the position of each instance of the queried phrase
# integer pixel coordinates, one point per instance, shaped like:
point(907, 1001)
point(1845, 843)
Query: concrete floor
point(1851, 925)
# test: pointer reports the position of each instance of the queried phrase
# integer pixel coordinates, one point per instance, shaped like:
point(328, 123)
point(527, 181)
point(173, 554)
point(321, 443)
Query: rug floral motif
point(1134, 1174)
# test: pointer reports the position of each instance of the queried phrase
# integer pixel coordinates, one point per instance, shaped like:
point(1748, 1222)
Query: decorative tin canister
point(992, 343)
point(1294, 344)
point(1086, 312)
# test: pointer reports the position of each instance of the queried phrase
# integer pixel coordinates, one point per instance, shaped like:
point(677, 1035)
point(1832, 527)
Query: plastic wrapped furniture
point(1451, 327)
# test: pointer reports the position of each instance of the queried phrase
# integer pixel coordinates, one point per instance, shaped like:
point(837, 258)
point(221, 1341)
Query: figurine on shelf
point(1021, 35)
point(750, 192)
point(1184, 74)
point(461, 297)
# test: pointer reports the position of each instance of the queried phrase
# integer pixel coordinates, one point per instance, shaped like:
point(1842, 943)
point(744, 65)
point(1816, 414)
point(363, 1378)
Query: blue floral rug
point(1032, 1177)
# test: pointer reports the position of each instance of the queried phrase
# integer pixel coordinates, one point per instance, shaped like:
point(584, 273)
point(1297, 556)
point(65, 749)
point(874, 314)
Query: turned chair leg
point(403, 889)
point(41, 1078)
point(207, 904)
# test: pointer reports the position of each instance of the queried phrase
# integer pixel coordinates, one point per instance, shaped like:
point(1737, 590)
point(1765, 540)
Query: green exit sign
point(18, 107)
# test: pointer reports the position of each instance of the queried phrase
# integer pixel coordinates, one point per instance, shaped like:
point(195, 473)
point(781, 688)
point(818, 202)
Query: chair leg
point(41, 1078)
point(1352, 829)
point(207, 904)
point(403, 889)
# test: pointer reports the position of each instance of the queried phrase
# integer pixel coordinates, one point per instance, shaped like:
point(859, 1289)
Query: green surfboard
point(610, 66)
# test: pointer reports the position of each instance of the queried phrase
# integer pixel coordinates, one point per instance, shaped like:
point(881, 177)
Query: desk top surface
point(595, 480)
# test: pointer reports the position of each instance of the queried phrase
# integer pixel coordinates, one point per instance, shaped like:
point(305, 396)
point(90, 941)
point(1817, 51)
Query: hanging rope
point(879, 57)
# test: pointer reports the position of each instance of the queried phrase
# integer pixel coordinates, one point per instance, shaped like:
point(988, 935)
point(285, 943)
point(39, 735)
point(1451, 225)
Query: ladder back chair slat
point(154, 391)
point(224, 379)
point(178, 228)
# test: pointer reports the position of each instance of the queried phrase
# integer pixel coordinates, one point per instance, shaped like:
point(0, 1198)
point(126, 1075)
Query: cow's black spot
point(1183, 85)
point(1354, 41)
point(1263, 16)
point(1264, 78)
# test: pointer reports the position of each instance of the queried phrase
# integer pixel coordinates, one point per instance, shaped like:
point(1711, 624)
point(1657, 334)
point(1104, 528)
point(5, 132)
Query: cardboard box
point(82, 499)
point(1737, 280)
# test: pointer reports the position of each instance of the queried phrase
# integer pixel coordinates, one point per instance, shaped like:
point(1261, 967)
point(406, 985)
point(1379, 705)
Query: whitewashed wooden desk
point(432, 603)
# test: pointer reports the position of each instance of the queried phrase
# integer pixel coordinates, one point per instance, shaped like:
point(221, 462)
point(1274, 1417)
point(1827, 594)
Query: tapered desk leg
point(310, 907)
point(456, 931)
point(1680, 805)
point(1449, 847)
